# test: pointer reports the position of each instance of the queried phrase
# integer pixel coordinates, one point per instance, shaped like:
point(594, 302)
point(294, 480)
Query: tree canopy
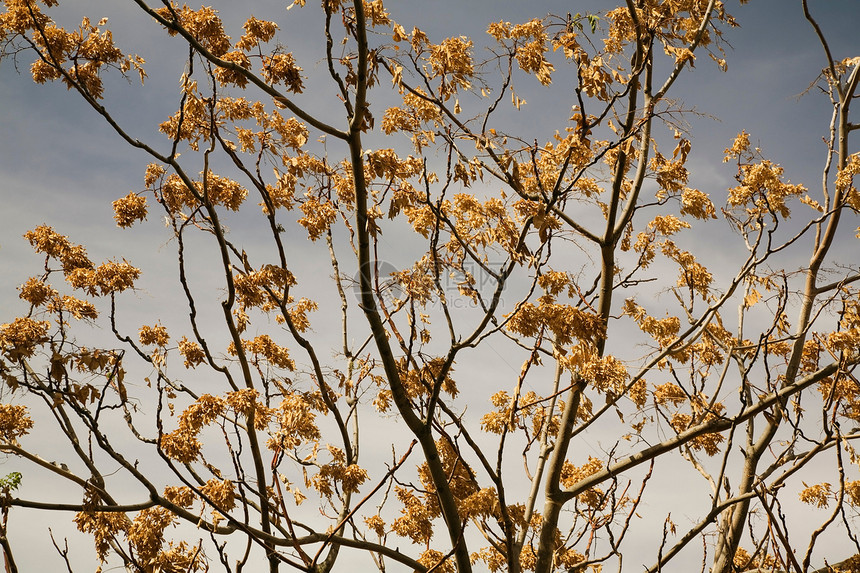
point(405, 327)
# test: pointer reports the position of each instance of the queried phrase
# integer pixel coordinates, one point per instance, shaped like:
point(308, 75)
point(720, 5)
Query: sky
point(61, 166)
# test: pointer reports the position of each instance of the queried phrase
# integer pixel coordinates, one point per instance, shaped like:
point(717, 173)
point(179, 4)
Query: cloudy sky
point(60, 165)
point(63, 167)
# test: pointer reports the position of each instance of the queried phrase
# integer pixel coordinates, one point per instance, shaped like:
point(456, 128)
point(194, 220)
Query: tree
point(193, 444)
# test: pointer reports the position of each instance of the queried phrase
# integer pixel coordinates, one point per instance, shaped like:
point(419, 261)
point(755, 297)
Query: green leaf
point(10, 482)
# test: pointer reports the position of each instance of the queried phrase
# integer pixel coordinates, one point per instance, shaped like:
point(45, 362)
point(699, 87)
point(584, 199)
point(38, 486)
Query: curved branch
point(233, 67)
